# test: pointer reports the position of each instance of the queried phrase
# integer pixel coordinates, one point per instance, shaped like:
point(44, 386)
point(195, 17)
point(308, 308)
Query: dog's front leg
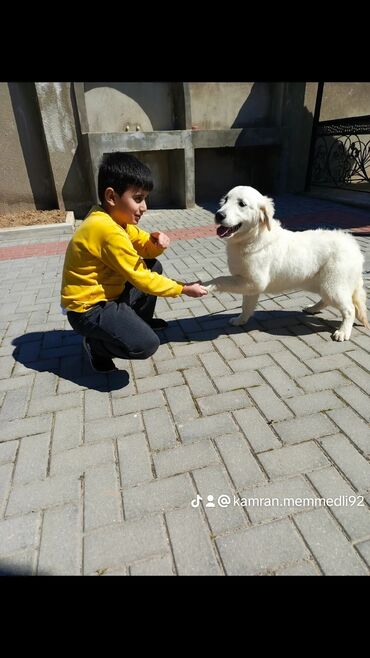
point(248, 306)
point(229, 284)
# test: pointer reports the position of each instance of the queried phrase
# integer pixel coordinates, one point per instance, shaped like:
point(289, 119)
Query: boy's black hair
point(120, 171)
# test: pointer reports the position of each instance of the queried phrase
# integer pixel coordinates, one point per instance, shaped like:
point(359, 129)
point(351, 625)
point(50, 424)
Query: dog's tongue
point(223, 231)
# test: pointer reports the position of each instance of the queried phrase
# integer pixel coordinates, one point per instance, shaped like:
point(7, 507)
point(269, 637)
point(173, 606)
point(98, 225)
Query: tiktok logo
point(196, 501)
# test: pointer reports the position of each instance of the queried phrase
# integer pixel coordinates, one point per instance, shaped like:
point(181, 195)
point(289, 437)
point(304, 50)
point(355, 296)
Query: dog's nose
point(219, 216)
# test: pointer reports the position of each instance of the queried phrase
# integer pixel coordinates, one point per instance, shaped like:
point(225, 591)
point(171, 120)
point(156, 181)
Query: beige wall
point(112, 106)
point(345, 99)
point(229, 104)
point(15, 189)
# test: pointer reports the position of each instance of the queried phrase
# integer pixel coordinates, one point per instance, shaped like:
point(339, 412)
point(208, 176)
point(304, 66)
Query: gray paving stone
point(261, 549)
point(312, 402)
point(159, 381)
point(216, 491)
point(359, 376)
point(184, 458)
point(300, 458)
point(160, 428)
point(68, 427)
point(271, 406)
point(356, 399)
point(17, 429)
point(344, 503)
point(77, 460)
point(42, 494)
point(160, 566)
point(134, 460)
point(102, 497)
point(280, 381)
point(215, 365)
point(355, 467)
point(332, 550)
point(205, 428)
point(305, 428)
point(110, 428)
point(8, 451)
point(242, 466)
point(212, 404)
point(322, 381)
point(199, 382)
point(355, 427)
point(96, 405)
point(124, 543)
point(14, 405)
point(278, 499)
point(33, 457)
point(61, 542)
point(19, 533)
point(157, 496)
point(150, 400)
point(181, 403)
point(254, 427)
point(192, 547)
point(364, 550)
point(299, 569)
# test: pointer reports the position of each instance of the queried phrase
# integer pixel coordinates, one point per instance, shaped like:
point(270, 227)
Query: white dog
point(264, 257)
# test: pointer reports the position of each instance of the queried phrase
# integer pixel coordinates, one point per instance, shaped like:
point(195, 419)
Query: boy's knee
point(148, 349)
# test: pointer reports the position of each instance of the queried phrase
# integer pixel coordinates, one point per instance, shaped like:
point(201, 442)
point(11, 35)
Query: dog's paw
point(340, 335)
point(210, 287)
point(237, 322)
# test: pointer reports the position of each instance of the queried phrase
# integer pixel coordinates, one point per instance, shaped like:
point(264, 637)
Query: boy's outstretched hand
point(160, 239)
point(194, 289)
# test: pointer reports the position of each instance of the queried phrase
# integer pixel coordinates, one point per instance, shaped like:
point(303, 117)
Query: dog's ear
point(267, 209)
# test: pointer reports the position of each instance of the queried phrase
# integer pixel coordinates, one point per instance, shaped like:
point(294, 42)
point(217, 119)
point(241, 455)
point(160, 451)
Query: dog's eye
point(241, 203)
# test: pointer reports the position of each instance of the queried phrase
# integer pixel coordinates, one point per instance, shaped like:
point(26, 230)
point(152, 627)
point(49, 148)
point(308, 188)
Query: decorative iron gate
point(340, 152)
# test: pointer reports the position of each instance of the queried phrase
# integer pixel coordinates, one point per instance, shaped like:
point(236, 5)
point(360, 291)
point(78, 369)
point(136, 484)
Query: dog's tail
point(359, 300)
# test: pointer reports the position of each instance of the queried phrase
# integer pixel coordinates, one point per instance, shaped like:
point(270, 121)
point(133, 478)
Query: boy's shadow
point(61, 352)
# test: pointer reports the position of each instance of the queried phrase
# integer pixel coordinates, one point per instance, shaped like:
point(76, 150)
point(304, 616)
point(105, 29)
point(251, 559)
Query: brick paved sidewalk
point(97, 472)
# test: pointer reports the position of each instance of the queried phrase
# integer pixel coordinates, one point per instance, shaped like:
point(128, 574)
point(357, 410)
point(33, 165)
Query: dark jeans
point(119, 328)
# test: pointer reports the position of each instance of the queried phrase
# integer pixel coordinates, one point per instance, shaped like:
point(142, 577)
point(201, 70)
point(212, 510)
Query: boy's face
point(127, 208)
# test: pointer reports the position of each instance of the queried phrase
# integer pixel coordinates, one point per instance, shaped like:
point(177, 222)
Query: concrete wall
point(62, 134)
point(199, 138)
point(229, 104)
point(15, 186)
point(120, 106)
point(345, 99)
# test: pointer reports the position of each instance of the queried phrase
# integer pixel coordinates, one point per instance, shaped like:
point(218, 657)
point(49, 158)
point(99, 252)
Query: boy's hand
point(194, 289)
point(160, 239)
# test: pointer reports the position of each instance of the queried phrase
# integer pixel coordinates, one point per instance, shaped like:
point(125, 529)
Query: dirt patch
point(32, 218)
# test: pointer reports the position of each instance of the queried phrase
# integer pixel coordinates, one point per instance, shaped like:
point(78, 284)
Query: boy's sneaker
point(157, 324)
point(98, 363)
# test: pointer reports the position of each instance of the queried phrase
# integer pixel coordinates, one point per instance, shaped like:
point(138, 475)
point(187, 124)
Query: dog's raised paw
point(210, 287)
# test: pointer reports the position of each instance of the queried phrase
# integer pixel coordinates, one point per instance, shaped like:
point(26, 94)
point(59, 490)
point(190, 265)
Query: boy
point(111, 277)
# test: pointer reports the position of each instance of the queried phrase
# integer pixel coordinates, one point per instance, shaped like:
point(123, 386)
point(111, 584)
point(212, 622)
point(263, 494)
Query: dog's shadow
point(275, 322)
point(61, 352)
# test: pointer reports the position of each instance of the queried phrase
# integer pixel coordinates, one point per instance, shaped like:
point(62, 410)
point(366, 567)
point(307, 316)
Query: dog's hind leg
point(359, 300)
point(343, 302)
point(316, 308)
point(248, 306)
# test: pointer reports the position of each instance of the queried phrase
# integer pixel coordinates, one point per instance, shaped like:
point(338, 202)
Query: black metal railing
point(341, 154)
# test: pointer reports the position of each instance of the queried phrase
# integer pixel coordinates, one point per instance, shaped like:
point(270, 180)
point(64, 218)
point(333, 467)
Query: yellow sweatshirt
point(102, 256)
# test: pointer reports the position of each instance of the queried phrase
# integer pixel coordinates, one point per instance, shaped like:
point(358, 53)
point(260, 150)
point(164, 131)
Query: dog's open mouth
point(226, 231)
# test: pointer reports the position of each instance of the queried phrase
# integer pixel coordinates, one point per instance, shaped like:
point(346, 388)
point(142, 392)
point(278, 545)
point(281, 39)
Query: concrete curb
point(42, 230)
